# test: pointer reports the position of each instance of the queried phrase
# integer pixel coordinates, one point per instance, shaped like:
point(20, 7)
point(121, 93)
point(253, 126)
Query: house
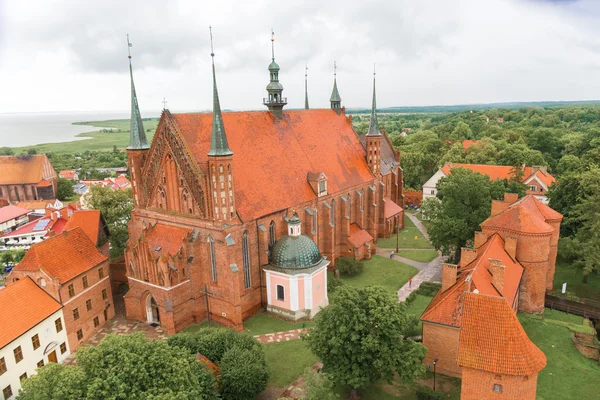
point(27, 177)
point(119, 183)
point(11, 217)
point(35, 231)
point(69, 174)
point(93, 225)
point(75, 273)
point(39, 207)
point(32, 334)
point(468, 143)
point(537, 177)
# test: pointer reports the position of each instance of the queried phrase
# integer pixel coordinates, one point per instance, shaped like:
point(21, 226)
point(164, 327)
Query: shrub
point(244, 374)
point(349, 266)
point(333, 283)
point(428, 394)
point(428, 288)
point(213, 342)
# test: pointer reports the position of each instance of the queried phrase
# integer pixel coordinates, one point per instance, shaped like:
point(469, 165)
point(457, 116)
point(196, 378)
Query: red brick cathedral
point(215, 190)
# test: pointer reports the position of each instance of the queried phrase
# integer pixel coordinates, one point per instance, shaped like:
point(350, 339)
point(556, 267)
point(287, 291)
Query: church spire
point(306, 86)
point(274, 102)
point(218, 141)
point(137, 136)
point(335, 99)
point(373, 125)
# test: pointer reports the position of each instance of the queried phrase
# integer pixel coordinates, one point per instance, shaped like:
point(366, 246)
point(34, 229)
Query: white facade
point(50, 343)
point(430, 187)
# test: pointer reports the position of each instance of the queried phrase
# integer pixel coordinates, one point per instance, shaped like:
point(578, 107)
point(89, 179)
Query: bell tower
point(335, 99)
point(374, 137)
point(275, 102)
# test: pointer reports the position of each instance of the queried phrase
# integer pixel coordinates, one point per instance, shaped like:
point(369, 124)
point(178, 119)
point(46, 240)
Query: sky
point(71, 55)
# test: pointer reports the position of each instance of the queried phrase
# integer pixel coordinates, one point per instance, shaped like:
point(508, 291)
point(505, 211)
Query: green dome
point(273, 66)
point(295, 252)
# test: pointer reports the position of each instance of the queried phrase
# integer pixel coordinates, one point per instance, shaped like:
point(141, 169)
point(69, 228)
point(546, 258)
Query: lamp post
point(434, 363)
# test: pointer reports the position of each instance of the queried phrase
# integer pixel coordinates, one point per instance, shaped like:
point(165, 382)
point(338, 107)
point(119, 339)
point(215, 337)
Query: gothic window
point(272, 233)
point(213, 261)
point(361, 195)
point(220, 168)
point(246, 255)
point(332, 221)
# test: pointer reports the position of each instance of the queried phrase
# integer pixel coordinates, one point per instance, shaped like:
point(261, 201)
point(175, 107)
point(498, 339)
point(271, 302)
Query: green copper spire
point(373, 126)
point(306, 86)
point(218, 141)
point(275, 102)
point(137, 136)
point(335, 99)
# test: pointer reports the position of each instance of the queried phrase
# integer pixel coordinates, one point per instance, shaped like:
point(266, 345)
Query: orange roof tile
point(446, 308)
point(67, 173)
point(11, 212)
point(35, 204)
point(168, 238)
point(526, 215)
point(468, 143)
point(269, 155)
point(88, 221)
point(358, 236)
point(22, 169)
point(25, 305)
point(493, 340)
point(44, 183)
point(391, 208)
point(500, 171)
point(546, 178)
point(64, 256)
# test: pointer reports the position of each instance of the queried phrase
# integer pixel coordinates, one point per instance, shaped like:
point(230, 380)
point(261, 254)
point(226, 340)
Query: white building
point(32, 334)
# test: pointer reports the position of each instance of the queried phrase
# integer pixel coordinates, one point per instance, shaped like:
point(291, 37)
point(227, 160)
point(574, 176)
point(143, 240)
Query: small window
point(104, 294)
point(101, 273)
point(497, 388)
point(96, 322)
point(18, 354)
point(533, 188)
point(58, 325)
point(23, 377)
point(71, 290)
point(85, 282)
point(63, 348)
point(7, 392)
point(280, 293)
point(322, 187)
point(2, 366)
point(432, 191)
point(40, 364)
point(35, 340)
point(76, 314)
point(79, 334)
point(88, 304)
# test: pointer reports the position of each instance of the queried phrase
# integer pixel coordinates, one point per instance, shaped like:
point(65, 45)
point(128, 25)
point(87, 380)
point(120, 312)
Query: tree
point(125, 367)
point(65, 189)
point(6, 151)
point(318, 386)
point(115, 206)
point(360, 338)
point(464, 202)
point(32, 151)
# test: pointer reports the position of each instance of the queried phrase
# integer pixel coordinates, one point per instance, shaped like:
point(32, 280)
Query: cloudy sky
point(71, 55)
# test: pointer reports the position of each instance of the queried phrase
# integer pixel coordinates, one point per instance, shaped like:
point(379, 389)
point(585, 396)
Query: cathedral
point(219, 199)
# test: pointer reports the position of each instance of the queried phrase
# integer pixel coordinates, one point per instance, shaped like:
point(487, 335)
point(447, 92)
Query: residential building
point(69, 174)
point(537, 178)
point(32, 334)
point(74, 272)
point(11, 217)
point(93, 225)
point(38, 207)
point(26, 177)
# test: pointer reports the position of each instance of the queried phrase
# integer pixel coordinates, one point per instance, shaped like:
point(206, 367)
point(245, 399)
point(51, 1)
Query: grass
point(419, 255)
point(562, 316)
point(568, 374)
point(99, 141)
point(286, 361)
point(390, 274)
point(263, 322)
point(410, 238)
point(574, 279)
point(417, 307)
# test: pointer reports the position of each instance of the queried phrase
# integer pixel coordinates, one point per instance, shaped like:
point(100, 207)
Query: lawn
point(286, 361)
point(264, 323)
point(100, 141)
point(417, 307)
point(410, 238)
point(419, 255)
point(568, 374)
point(390, 274)
point(574, 279)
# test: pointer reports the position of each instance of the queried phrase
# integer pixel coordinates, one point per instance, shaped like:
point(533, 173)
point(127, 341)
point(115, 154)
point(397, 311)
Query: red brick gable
point(493, 340)
point(272, 158)
point(166, 240)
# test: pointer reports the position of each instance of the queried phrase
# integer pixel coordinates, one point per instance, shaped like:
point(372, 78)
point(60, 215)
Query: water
point(27, 129)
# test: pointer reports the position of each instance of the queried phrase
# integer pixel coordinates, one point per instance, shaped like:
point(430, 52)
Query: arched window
point(213, 261)
point(332, 222)
point(272, 233)
point(246, 255)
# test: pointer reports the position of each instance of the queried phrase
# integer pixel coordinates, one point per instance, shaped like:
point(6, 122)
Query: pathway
point(277, 337)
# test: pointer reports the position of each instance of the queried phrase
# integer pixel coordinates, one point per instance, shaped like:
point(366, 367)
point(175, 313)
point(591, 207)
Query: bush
point(428, 288)
point(428, 394)
point(214, 342)
point(349, 266)
point(244, 374)
point(333, 283)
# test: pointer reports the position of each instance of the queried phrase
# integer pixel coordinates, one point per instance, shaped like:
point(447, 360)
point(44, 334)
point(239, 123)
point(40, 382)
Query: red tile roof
point(88, 220)
point(468, 143)
point(446, 308)
point(391, 208)
point(67, 174)
point(44, 183)
point(22, 169)
point(35, 204)
point(168, 238)
point(542, 176)
point(39, 225)
point(493, 340)
point(500, 171)
point(11, 212)
point(269, 155)
point(528, 215)
point(24, 305)
point(358, 237)
point(64, 256)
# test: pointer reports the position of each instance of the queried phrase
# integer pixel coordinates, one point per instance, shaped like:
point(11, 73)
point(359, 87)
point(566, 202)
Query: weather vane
point(305, 69)
point(164, 102)
point(373, 69)
point(334, 69)
point(212, 51)
point(129, 45)
point(273, 44)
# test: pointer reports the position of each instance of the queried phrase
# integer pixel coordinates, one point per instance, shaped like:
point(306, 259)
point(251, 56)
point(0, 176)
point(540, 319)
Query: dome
point(273, 66)
point(274, 86)
point(295, 252)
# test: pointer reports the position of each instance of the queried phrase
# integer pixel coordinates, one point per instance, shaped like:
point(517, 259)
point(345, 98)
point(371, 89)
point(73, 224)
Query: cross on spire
point(164, 103)
point(272, 45)
point(306, 86)
point(335, 99)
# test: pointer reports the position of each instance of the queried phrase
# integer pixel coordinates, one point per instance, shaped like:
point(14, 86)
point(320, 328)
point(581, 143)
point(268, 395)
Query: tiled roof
point(64, 256)
point(44, 183)
point(358, 237)
point(11, 212)
point(67, 173)
point(493, 340)
point(391, 208)
point(528, 215)
point(39, 225)
point(25, 305)
point(544, 177)
point(388, 154)
point(88, 221)
point(272, 158)
point(446, 308)
point(468, 143)
point(500, 171)
point(35, 204)
point(21, 169)
point(167, 239)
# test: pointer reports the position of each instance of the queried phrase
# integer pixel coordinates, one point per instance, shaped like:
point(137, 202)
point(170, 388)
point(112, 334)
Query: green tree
point(360, 338)
point(115, 206)
point(318, 386)
point(55, 382)
point(65, 189)
point(32, 151)
point(6, 151)
point(464, 201)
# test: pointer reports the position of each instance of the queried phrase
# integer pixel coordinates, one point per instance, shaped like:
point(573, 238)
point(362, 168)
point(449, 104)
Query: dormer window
point(318, 183)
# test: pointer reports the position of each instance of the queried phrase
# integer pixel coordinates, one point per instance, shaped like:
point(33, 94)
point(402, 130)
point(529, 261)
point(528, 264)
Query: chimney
point(467, 256)
point(480, 239)
point(448, 276)
point(510, 245)
point(510, 198)
point(497, 270)
point(498, 206)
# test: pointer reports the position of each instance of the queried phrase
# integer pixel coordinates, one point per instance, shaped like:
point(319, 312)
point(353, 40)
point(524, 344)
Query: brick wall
point(441, 342)
point(413, 197)
point(479, 385)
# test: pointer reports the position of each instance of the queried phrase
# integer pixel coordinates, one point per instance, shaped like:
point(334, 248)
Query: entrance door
point(52, 357)
point(106, 315)
point(155, 315)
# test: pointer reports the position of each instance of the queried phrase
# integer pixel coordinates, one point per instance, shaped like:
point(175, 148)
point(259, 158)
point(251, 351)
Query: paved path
point(277, 337)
